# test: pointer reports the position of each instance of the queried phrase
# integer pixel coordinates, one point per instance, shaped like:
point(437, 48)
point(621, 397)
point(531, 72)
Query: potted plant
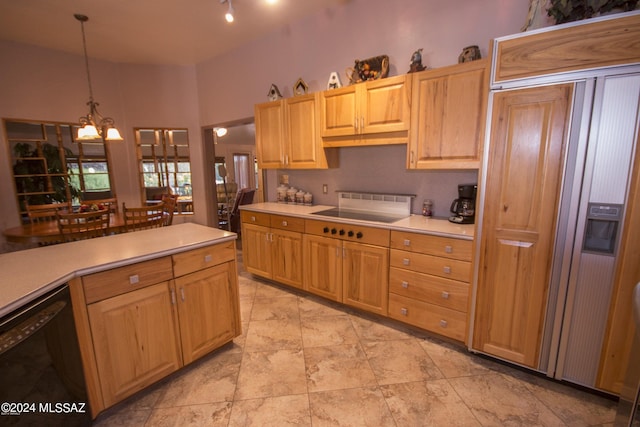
point(573, 10)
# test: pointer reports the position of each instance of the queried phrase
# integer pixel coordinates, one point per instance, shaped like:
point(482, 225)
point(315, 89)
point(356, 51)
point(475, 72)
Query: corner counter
point(31, 273)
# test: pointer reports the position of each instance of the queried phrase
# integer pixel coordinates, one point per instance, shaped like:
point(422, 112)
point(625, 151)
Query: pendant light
point(229, 15)
point(94, 125)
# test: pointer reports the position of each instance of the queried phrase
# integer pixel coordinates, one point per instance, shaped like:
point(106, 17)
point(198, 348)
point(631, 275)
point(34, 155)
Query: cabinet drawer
point(432, 245)
point(443, 321)
point(437, 266)
point(257, 218)
point(106, 284)
point(432, 289)
point(201, 258)
point(287, 223)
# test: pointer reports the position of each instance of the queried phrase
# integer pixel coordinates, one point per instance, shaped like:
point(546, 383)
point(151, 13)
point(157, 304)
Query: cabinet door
point(135, 340)
point(206, 310)
point(256, 249)
point(304, 148)
point(270, 134)
point(365, 277)
point(286, 258)
point(448, 115)
point(339, 111)
point(323, 266)
point(522, 192)
point(385, 105)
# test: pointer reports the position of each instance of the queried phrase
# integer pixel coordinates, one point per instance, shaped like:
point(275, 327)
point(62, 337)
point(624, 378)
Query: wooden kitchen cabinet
point(448, 115)
point(287, 135)
point(143, 321)
point(525, 161)
point(368, 113)
point(429, 282)
point(272, 246)
point(347, 268)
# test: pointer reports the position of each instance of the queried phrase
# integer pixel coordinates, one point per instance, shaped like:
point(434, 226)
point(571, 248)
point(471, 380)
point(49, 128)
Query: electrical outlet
point(325, 189)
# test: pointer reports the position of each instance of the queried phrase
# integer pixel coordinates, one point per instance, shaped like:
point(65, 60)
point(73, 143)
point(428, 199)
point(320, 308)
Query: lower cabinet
point(429, 282)
point(272, 247)
point(141, 322)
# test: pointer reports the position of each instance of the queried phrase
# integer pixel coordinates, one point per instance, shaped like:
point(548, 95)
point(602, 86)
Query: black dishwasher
point(40, 365)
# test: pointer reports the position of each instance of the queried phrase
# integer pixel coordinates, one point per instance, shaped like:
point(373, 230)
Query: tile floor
point(306, 362)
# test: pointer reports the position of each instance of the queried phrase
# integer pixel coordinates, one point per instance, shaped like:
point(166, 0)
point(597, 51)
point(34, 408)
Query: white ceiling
point(149, 31)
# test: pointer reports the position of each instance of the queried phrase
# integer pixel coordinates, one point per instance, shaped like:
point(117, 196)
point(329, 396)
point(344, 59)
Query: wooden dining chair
point(144, 217)
point(46, 212)
point(83, 225)
point(170, 202)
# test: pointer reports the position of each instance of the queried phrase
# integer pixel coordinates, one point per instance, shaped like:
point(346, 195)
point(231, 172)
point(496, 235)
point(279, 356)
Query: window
point(50, 166)
point(163, 156)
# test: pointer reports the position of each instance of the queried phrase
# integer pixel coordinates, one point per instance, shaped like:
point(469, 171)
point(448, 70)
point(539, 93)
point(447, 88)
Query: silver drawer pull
point(134, 279)
point(405, 284)
point(443, 324)
point(445, 295)
point(448, 249)
point(407, 242)
point(404, 311)
point(208, 258)
point(284, 223)
point(406, 261)
point(253, 218)
point(447, 270)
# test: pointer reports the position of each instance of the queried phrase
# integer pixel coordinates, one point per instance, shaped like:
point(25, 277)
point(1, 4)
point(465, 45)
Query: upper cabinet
point(287, 135)
point(370, 113)
point(447, 117)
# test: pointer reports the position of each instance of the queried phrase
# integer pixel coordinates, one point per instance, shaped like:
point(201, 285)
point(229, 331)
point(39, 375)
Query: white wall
point(41, 84)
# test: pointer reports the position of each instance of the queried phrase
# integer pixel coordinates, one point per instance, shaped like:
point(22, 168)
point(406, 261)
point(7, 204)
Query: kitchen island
point(413, 269)
point(144, 303)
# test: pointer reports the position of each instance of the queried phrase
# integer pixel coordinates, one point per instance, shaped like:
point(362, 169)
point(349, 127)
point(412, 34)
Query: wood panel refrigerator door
point(524, 175)
point(206, 310)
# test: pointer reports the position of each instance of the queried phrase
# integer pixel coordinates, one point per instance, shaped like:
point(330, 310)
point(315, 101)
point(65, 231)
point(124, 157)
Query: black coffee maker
point(464, 207)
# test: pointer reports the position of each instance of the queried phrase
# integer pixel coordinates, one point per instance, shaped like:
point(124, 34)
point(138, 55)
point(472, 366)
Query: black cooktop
point(360, 215)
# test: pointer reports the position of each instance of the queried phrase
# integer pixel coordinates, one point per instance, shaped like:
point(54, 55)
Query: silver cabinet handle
point(406, 261)
point(404, 311)
point(407, 242)
point(182, 294)
point(448, 249)
point(405, 284)
point(444, 324)
point(445, 295)
point(447, 270)
point(173, 297)
point(285, 223)
point(208, 258)
point(134, 279)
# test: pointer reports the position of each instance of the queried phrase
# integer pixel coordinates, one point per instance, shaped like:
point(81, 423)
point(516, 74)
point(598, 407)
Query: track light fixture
point(229, 15)
point(93, 124)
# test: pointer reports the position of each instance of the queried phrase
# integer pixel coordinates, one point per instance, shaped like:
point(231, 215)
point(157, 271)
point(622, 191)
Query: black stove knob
point(341, 232)
point(325, 230)
point(334, 231)
point(351, 233)
point(359, 235)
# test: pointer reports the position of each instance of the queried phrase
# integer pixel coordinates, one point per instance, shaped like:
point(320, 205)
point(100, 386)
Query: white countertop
point(25, 275)
point(413, 223)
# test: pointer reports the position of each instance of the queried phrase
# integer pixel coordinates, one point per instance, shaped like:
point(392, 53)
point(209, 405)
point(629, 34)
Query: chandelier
point(94, 125)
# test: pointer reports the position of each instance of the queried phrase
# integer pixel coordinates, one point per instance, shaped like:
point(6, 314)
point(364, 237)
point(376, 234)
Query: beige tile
point(353, 407)
point(427, 403)
point(400, 361)
point(498, 400)
point(276, 308)
point(455, 361)
point(211, 380)
point(214, 414)
point(266, 290)
point(337, 367)
point(122, 418)
point(272, 411)
point(263, 335)
point(574, 407)
point(271, 373)
point(310, 306)
point(369, 330)
point(327, 330)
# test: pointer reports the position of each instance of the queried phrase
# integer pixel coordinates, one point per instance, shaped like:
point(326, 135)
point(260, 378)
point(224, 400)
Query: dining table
point(47, 232)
